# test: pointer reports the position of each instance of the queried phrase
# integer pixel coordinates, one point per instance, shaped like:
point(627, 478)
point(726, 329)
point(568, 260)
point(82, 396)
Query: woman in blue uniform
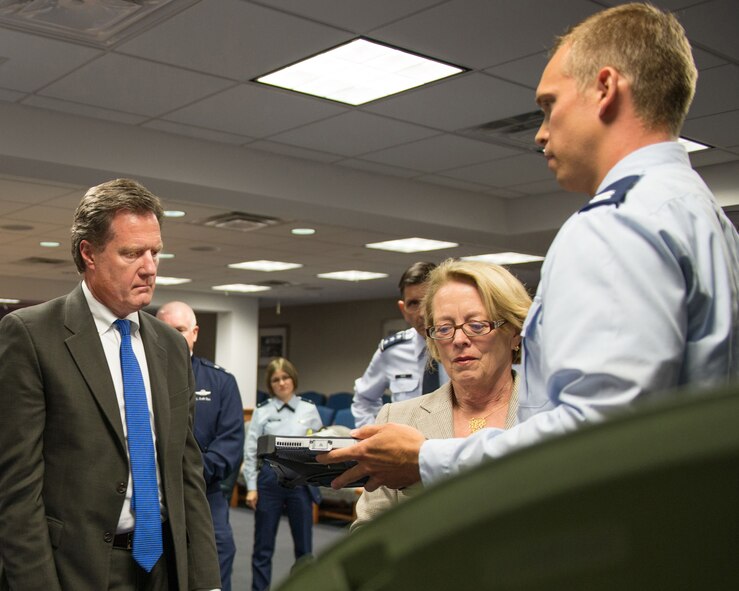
point(283, 413)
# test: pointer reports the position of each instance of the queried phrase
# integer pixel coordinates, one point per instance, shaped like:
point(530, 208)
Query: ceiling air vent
point(518, 131)
point(273, 283)
point(236, 220)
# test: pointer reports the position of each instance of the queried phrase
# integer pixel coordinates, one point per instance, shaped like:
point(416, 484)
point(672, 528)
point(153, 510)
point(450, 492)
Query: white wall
point(330, 344)
point(236, 340)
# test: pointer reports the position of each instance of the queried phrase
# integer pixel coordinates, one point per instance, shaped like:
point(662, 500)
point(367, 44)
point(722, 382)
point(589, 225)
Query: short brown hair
point(648, 47)
point(99, 206)
point(277, 364)
point(416, 274)
point(504, 296)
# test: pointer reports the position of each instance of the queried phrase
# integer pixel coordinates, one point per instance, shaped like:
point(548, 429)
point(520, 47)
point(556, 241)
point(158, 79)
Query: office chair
point(340, 400)
point(344, 417)
point(643, 502)
point(326, 413)
point(316, 398)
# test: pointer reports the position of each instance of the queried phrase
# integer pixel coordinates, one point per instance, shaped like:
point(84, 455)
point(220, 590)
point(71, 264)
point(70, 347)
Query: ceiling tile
point(379, 168)
point(45, 102)
point(713, 25)
point(483, 33)
point(22, 191)
point(358, 16)
point(716, 130)
point(526, 71)
point(440, 152)
point(353, 133)
point(711, 157)
point(506, 172)
point(251, 40)
point(10, 96)
point(717, 92)
point(256, 111)
point(33, 61)
point(294, 151)
point(197, 132)
point(134, 86)
point(458, 102)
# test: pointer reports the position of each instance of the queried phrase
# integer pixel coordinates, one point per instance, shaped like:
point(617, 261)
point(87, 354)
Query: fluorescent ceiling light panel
point(241, 287)
point(352, 275)
point(49, 244)
point(9, 301)
point(174, 213)
point(359, 72)
point(505, 258)
point(267, 266)
point(165, 255)
point(303, 231)
point(693, 146)
point(411, 245)
point(172, 280)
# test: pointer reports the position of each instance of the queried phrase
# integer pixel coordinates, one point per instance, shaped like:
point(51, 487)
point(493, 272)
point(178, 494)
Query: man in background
point(219, 429)
point(400, 363)
point(640, 289)
point(101, 479)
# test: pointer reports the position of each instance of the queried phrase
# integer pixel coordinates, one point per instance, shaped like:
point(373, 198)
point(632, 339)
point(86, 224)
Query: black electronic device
point(293, 458)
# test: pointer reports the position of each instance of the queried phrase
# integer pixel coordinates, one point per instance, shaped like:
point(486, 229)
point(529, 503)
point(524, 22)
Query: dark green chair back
point(645, 502)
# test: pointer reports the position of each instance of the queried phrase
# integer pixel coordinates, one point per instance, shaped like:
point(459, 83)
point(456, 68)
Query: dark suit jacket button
point(121, 488)
point(108, 537)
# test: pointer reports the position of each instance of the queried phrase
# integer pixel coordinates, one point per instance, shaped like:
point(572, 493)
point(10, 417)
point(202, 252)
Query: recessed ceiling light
point(9, 301)
point(165, 255)
point(49, 243)
point(411, 245)
point(174, 213)
point(693, 146)
point(265, 266)
point(240, 287)
point(505, 258)
point(17, 227)
point(352, 275)
point(161, 280)
point(358, 72)
point(303, 231)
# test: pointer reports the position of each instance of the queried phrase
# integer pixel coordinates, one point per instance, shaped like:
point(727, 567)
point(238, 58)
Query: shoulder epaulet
point(263, 403)
point(398, 337)
point(613, 194)
point(211, 365)
point(306, 400)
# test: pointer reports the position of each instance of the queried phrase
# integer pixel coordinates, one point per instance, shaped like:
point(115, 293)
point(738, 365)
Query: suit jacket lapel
point(87, 352)
point(439, 422)
point(156, 360)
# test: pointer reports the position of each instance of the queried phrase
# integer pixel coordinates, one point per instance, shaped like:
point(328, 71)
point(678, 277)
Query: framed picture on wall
point(272, 343)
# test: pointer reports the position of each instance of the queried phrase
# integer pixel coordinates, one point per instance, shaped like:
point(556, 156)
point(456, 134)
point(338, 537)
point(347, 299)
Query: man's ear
point(195, 331)
point(401, 306)
point(88, 254)
point(608, 91)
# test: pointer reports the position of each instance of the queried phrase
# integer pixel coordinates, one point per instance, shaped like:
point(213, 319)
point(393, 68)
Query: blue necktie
point(147, 533)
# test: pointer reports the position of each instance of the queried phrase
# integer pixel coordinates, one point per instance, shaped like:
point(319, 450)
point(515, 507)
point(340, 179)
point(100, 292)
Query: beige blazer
point(63, 462)
point(431, 414)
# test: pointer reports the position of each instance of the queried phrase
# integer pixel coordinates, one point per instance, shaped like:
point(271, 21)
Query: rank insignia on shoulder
point(613, 194)
point(263, 403)
point(398, 337)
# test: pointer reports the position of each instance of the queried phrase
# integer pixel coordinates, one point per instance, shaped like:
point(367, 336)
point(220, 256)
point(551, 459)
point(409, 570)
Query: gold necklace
point(477, 423)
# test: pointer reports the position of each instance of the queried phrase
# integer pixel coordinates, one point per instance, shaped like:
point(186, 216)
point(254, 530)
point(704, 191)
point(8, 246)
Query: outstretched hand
point(388, 454)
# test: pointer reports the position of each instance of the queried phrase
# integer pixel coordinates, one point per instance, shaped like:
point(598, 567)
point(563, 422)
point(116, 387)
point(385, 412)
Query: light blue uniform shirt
point(398, 365)
point(270, 418)
point(639, 293)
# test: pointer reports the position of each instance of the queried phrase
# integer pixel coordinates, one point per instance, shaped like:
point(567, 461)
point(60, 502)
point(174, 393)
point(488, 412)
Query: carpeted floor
point(242, 522)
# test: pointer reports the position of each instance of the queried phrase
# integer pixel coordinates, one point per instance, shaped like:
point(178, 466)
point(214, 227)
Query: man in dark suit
point(71, 514)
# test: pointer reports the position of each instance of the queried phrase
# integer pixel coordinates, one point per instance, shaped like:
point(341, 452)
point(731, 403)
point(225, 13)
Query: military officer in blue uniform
point(218, 429)
point(283, 413)
point(640, 289)
point(400, 363)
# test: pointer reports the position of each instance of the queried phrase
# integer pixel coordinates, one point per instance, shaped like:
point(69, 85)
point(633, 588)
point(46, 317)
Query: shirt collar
point(102, 316)
point(643, 159)
point(292, 403)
